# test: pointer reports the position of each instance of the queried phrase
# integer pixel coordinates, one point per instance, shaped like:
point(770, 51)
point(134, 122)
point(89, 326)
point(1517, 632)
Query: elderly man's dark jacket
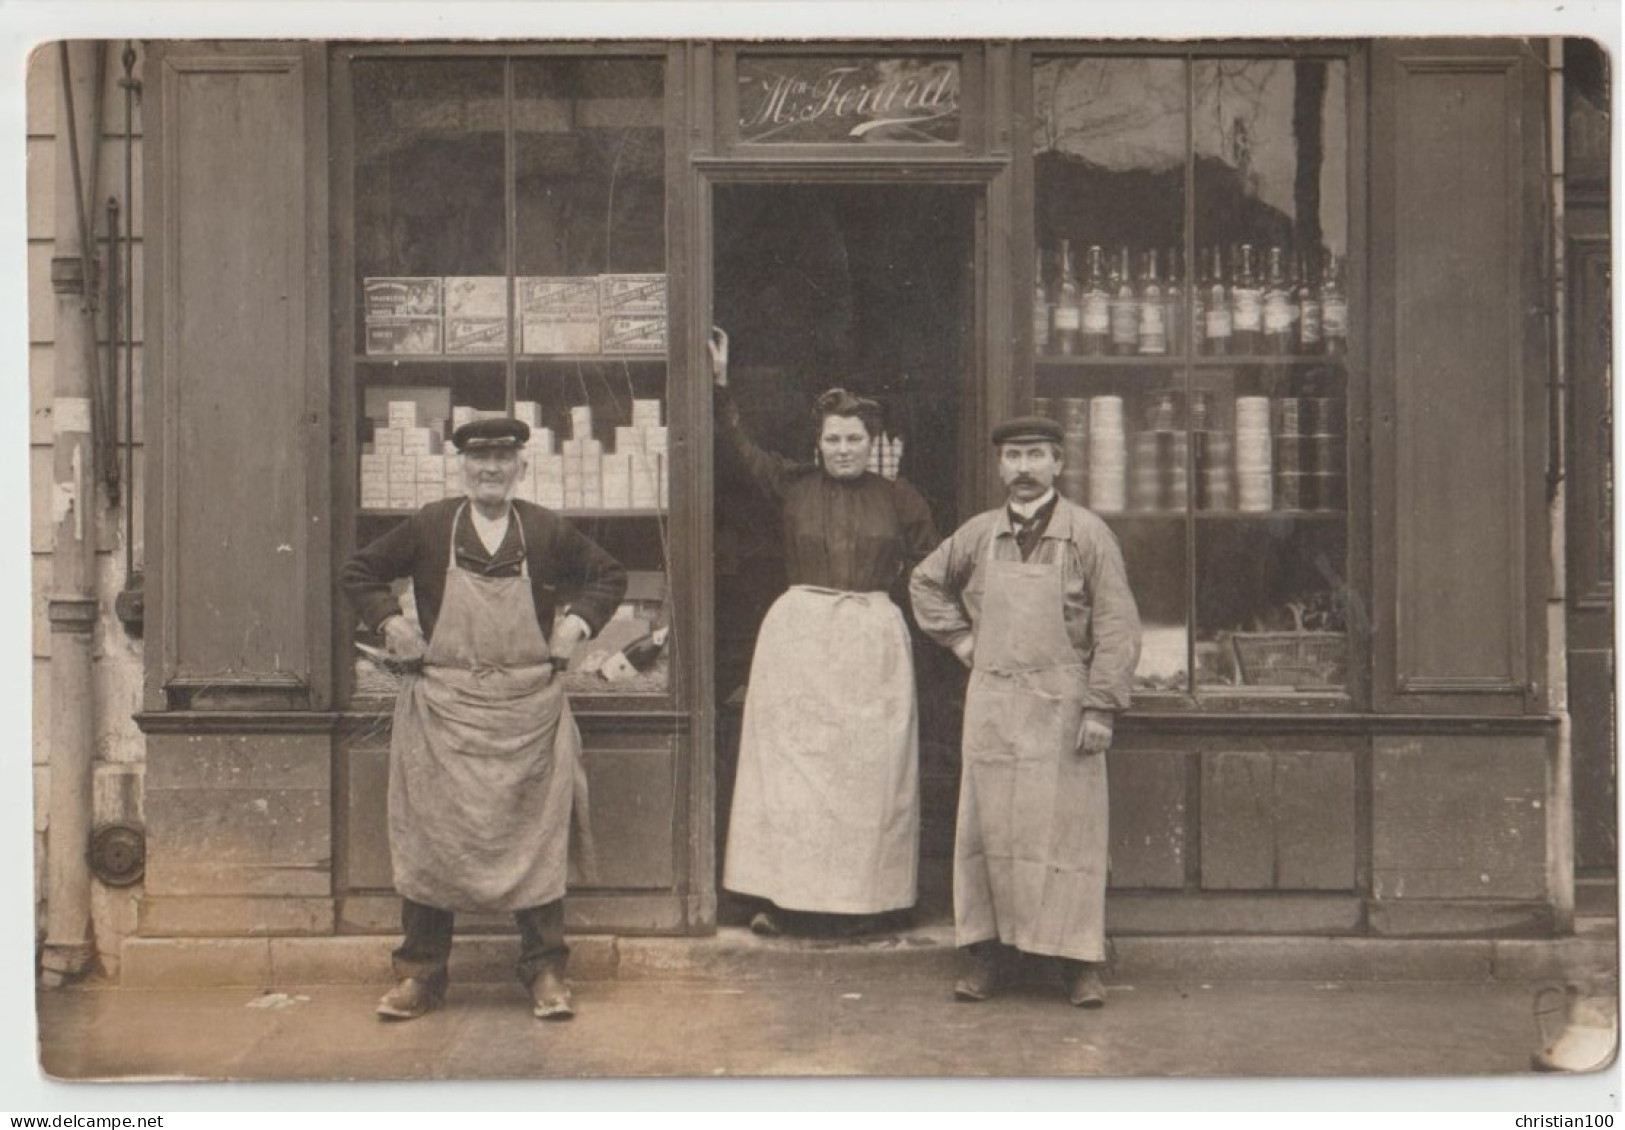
point(564, 565)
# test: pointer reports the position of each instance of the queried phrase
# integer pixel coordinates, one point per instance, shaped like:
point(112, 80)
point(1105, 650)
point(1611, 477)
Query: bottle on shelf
point(1173, 301)
point(1198, 307)
point(1125, 307)
point(1066, 312)
point(1277, 309)
point(1219, 326)
point(1307, 300)
point(1153, 331)
point(1042, 312)
point(1096, 318)
point(1334, 308)
point(1246, 305)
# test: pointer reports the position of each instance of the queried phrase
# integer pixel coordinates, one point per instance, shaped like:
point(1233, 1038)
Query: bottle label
point(1218, 322)
point(1309, 326)
point(1066, 317)
point(1249, 309)
point(1041, 318)
point(1153, 328)
point(1277, 312)
point(1334, 318)
point(1125, 321)
point(1097, 313)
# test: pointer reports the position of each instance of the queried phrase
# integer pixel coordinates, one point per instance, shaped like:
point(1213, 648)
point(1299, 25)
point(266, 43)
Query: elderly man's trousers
point(426, 948)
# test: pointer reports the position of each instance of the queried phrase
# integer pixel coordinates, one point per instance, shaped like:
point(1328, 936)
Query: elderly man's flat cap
point(479, 435)
point(1027, 429)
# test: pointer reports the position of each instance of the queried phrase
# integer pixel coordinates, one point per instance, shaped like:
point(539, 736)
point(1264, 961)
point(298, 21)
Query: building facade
point(1328, 348)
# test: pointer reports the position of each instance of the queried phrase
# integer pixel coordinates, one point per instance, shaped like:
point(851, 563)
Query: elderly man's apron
point(826, 808)
point(485, 757)
point(1030, 853)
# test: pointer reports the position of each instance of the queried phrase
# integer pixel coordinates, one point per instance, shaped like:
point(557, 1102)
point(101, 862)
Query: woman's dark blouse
point(857, 535)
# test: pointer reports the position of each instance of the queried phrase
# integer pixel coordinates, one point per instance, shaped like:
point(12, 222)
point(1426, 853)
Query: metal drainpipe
point(72, 603)
point(1560, 822)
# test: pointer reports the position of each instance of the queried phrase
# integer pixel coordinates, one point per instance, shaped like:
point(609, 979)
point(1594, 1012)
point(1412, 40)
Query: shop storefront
point(1287, 301)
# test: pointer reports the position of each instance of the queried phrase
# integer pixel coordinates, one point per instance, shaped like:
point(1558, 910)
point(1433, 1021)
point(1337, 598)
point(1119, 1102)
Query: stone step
point(736, 955)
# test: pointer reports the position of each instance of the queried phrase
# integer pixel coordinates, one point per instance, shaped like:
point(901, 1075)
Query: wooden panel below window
point(630, 796)
point(1148, 806)
point(1278, 821)
point(1459, 816)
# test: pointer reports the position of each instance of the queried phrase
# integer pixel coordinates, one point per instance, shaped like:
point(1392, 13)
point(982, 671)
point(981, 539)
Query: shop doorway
point(870, 287)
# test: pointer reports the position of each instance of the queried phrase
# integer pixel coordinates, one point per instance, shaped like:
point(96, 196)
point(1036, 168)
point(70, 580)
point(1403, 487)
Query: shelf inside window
point(594, 513)
point(500, 358)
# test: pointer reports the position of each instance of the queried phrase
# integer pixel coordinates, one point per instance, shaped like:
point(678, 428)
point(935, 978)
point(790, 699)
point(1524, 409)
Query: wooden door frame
point(986, 387)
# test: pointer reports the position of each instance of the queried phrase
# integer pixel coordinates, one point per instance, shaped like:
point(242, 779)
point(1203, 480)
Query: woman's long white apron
point(1031, 848)
point(485, 759)
point(826, 807)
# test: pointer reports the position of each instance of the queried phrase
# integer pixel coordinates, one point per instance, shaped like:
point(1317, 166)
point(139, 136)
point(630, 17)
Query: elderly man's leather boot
point(985, 975)
point(1083, 985)
point(410, 999)
point(551, 996)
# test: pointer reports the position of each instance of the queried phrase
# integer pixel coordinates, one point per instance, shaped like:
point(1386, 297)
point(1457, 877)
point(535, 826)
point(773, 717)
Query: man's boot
point(1084, 987)
point(550, 995)
point(985, 975)
point(410, 998)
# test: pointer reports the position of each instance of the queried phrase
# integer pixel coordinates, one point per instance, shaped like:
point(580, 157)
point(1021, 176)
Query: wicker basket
point(1300, 660)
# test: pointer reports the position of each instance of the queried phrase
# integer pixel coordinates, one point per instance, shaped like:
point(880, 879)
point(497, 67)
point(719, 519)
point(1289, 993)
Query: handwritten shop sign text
point(786, 100)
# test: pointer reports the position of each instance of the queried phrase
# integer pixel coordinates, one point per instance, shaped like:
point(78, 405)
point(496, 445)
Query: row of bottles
point(1239, 306)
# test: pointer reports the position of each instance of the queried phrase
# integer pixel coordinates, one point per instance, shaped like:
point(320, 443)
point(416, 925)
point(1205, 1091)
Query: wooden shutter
point(1458, 349)
point(237, 364)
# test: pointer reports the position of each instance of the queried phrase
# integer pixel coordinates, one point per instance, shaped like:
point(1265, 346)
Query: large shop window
point(509, 256)
point(1191, 330)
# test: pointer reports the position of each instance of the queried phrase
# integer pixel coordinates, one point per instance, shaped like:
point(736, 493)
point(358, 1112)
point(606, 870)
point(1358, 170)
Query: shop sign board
point(817, 100)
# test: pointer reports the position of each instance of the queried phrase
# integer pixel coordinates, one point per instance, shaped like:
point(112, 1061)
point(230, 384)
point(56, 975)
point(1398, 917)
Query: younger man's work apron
point(1030, 851)
point(485, 756)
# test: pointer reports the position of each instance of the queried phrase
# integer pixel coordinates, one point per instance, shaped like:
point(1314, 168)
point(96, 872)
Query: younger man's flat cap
point(1027, 429)
point(495, 432)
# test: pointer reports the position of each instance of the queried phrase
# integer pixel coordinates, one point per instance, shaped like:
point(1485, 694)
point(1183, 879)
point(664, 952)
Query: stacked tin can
point(1107, 480)
point(1254, 489)
point(1074, 479)
point(1309, 453)
point(1326, 453)
point(1157, 475)
point(1214, 452)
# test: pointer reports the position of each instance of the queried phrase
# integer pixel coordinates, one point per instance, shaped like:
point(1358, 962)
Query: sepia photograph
point(838, 554)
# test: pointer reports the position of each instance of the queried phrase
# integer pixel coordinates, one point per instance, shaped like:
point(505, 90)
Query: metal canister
point(1326, 454)
point(1289, 491)
point(1327, 492)
point(1291, 454)
point(1323, 415)
point(1289, 416)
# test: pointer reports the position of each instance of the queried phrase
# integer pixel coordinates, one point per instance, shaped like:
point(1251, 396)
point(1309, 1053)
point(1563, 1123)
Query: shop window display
point(509, 258)
point(1191, 329)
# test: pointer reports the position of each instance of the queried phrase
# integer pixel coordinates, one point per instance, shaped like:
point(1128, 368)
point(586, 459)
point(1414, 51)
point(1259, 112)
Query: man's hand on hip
point(404, 640)
point(568, 631)
point(1095, 733)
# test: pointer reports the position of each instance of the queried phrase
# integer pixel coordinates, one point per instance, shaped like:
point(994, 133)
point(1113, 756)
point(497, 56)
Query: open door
point(869, 287)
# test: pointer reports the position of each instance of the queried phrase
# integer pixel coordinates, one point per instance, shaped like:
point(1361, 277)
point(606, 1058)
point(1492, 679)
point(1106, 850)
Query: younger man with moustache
point(1032, 596)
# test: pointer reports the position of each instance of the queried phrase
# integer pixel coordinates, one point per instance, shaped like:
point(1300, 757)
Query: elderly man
point(1033, 598)
point(484, 754)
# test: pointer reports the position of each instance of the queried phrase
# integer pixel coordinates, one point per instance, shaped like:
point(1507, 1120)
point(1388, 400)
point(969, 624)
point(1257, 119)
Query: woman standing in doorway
point(826, 806)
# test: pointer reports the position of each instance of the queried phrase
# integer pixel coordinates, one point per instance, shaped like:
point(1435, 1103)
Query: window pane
point(590, 261)
point(1109, 316)
point(1271, 453)
point(430, 249)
